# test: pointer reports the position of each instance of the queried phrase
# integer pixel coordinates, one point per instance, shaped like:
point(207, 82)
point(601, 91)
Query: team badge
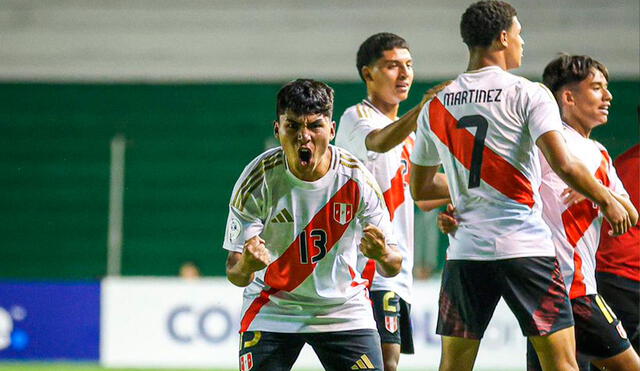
point(234, 229)
point(246, 362)
point(342, 213)
point(621, 330)
point(391, 323)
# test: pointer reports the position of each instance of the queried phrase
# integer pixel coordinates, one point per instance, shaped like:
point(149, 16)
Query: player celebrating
point(579, 85)
point(294, 218)
point(483, 128)
point(372, 131)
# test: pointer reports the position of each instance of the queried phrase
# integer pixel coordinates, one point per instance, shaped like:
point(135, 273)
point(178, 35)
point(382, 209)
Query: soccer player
point(483, 128)
point(296, 217)
point(618, 257)
point(372, 131)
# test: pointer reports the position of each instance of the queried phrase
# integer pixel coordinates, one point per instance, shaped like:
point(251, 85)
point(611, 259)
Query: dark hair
point(372, 48)
point(305, 97)
point(483, 21)
point(567, 69)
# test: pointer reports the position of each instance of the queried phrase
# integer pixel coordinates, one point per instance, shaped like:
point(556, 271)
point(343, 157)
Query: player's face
point(391, 76)
point(591, 100)
point(305, 141)
point(515, 47)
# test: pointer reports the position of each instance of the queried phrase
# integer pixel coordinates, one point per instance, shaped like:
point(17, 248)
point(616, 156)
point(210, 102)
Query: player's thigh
point(347, 350)
point(458, 354)
point(269, 351)
point(536, 294)
point(599, 334)
point(469, 293)
point(393, 319)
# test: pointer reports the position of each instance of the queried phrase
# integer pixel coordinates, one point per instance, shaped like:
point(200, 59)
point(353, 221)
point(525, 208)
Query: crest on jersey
point(246, 362)
point(342, 213)
point(391, 323)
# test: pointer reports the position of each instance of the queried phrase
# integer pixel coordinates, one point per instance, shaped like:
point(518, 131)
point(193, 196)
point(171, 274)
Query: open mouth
point(305, 156)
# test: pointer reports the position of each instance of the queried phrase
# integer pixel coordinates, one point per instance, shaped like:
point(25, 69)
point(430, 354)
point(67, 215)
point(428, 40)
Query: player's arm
point(374, 246)
point(387, 138)
point(428, 205)
point(242, 266)
point(573, 172)
point(428, 184)
point(383, 140)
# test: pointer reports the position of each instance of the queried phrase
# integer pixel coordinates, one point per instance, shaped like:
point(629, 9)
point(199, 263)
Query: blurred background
point(125, 124)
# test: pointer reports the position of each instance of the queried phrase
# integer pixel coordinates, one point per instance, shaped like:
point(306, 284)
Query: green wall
point(187, 144)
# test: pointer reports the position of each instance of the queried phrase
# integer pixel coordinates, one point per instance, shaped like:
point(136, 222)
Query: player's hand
point(571, 196)
point(433, 91)
point(617, 216)
point(447, 222)
point(373, 243)
point(255, 255)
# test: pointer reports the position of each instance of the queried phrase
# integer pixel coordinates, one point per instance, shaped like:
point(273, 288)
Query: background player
point(618, 257)
point(483, 128)
point(294, 218)
point(372, 131)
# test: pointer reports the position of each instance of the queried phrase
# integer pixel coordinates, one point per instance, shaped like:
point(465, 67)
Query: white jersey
point(483, 128)
point(391, 171)
point(576, 228)
point(312, 231)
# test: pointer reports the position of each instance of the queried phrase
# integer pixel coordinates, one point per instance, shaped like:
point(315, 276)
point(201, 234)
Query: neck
point(315, 173)
point(482, 57)
point(388, 109)
point(581, 129)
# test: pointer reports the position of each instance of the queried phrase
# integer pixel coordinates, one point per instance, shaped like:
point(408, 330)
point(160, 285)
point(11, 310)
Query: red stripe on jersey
point(255, 307)
point(576, 220)
point(369, 272)
point(394, 196)
point(288, 271)
point(495, 170)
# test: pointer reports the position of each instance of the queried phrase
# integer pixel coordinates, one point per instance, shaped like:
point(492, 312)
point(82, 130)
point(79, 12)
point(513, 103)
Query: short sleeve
point(353, 130)
point(425, 152)
point(543, 114)
point(245, 219)
point(616, 184)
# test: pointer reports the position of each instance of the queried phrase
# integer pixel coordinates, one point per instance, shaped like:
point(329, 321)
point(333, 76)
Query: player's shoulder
point(533, 88)
point(356, 113)
point(265, 161)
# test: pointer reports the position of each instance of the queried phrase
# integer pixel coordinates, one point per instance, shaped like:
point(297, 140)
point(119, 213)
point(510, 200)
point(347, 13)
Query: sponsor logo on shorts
point(364, 363)
point(621, 330)
point(246, 362)
point(391, 323)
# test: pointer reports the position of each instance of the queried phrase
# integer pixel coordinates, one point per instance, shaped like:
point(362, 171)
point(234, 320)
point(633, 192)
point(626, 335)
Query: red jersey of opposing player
point(621, 255)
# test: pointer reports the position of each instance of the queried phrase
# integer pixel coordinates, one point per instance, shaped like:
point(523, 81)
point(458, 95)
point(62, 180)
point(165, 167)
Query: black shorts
point(532, 287)
point(393, 318)
point(623, 296)
point(337, 351)
point(599, 334)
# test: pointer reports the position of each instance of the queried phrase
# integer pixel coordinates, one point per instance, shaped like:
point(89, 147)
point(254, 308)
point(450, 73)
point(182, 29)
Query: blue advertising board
point(43, 320)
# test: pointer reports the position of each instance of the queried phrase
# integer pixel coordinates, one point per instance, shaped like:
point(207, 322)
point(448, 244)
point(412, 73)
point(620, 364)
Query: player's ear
point(566, 97)
point(333, 130)
point(276, 125)
point(503, 41)
point(366, 73)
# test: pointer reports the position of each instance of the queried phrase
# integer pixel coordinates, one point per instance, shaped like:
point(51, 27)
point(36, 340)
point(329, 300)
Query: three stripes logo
point(364, 363)
point(282, 217)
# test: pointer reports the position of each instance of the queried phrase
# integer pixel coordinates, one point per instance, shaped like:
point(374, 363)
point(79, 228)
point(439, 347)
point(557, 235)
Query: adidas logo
point(364, 363)
point(282, 217)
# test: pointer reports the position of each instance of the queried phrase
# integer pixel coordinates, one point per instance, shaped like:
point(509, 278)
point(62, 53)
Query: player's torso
point(575, 228)
point(391, 171)
point(479, 126)
point(310, 232)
